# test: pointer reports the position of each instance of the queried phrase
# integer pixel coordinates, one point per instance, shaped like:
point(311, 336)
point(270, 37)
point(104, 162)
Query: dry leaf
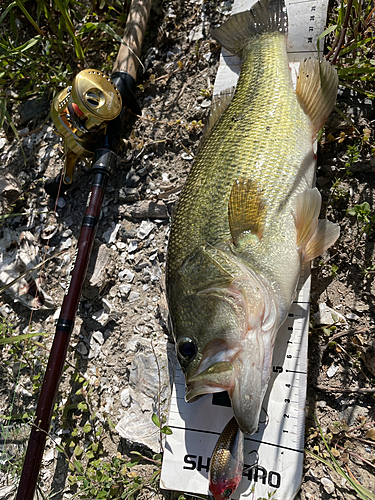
point(370, 434)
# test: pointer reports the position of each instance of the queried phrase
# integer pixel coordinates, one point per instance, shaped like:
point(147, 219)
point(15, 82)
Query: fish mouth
point(244, 373)
point(215, 371)
point(216, 378)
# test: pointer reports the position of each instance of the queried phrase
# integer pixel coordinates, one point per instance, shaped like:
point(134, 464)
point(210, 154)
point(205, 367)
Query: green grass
point(352, 44)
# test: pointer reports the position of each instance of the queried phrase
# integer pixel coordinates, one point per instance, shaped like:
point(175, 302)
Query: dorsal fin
point(219, 105)
point(264, 16)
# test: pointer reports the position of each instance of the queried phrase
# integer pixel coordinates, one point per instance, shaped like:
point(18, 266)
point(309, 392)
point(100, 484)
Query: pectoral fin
point(246, 209)
point(317, 89)
point(313, 236)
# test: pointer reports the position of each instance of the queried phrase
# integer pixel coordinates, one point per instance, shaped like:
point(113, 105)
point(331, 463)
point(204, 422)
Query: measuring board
point(274, 454)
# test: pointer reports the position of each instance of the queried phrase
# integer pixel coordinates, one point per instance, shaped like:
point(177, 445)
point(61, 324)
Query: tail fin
point(265, 16)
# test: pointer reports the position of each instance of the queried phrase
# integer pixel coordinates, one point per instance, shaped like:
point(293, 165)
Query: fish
point(247, 218)
point(227, 462)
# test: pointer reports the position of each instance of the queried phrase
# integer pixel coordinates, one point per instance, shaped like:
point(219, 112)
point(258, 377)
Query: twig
point(351, 475)
point(166, 194)
point(347, 332)
point(366, 441)
point(359, 390)
point(338, 42)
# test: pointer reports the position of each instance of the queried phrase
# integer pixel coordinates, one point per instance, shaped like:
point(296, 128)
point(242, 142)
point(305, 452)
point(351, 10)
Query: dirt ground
point(175, 91)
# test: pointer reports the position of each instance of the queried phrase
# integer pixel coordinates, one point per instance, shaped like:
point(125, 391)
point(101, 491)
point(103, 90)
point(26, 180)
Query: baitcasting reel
point(81, 113)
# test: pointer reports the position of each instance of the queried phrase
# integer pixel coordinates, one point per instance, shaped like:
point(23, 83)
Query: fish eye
point(227, 493)
point(186, 348)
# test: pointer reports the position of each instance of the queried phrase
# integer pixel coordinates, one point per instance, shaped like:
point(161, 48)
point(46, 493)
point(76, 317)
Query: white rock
point(98, 337)
point(328, 485)
point(132, 245)
point(136, 426)
point(144, 229)
point(196, 33)
point(352, 316)
point(101, 317)
point(120, 245)
point(155, 272)
point(49, 455)
point(125, 397)
point(110, 235)
point(206, 103)
point(328, 316)
point(133, 297)
point(57, 314)
point(124, 290)
point(66, 244)
point(332, 370)
point(186, 156)
point(126, 275)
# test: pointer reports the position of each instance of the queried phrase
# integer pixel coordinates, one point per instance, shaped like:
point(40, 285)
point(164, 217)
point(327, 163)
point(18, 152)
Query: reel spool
point(81, 112)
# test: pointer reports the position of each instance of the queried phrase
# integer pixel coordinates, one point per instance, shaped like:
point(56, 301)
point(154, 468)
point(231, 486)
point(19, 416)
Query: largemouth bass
point(247, 217)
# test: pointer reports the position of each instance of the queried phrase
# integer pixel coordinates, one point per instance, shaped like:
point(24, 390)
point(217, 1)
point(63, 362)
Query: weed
point(363, 214)
point(334, 270)
point(369, 271)
point(352, 44)
point(335, 456)
point(339, 193)
point(48, 59)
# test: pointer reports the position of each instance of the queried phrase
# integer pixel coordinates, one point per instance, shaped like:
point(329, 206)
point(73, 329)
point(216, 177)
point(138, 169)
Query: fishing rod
point(89, 116)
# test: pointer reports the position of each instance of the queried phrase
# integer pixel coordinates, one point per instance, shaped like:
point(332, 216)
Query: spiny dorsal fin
point(313, 236)
point(264, 16)
point(317, 84)
point(246, 209)
point(218, 106)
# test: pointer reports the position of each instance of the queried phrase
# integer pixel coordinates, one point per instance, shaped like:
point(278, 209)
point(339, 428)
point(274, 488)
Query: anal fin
point(313, 236)
point(246, 209)
point(317, 85)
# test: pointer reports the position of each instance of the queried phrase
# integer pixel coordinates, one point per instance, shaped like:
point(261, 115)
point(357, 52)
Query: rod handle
point(133, 36)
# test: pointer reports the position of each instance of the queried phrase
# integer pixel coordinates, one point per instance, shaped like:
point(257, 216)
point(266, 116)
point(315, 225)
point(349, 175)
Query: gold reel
point(81, 112)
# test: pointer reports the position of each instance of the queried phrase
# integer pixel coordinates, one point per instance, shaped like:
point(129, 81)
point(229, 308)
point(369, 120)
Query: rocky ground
point(121, 330)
